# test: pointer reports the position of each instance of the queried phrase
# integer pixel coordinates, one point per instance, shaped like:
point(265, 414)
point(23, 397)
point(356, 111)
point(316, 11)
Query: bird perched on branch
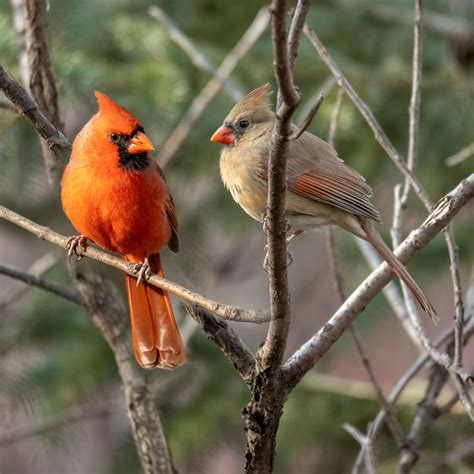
point(115, 194)
point(322, 189)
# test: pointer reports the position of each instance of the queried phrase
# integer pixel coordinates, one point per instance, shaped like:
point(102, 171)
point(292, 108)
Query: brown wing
point(316, 172)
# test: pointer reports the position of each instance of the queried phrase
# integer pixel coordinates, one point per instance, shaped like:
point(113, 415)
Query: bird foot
point(142, 270)
point(266, 263)
point(76, 245)
point(265, 224)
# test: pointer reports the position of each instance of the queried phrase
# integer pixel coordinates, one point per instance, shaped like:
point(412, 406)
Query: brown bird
point(322, 189)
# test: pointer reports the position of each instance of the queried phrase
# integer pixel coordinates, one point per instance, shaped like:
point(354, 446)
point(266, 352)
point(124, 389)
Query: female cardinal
point(322, 189)
point(116, 195)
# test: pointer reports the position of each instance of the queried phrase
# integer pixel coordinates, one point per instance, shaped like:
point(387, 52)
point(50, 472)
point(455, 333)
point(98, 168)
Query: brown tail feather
point(156, 338)
point(397, 267)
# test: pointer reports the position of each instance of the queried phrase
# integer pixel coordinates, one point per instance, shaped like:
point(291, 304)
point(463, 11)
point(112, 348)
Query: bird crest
point(256, 101)
point(115, 114)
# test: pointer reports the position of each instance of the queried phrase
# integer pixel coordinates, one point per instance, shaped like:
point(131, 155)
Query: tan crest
point(257, 102)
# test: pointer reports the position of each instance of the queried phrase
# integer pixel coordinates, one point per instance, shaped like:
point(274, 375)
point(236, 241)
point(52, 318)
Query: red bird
point(116, 195)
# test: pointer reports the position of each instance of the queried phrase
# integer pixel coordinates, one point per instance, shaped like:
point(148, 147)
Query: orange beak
point(140, 143)
point(223, 135)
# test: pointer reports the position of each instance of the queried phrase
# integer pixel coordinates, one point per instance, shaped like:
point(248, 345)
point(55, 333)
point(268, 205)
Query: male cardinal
point(116, 195)
point(322, 189)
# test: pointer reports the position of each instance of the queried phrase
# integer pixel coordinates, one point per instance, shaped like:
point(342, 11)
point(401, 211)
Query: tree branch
point(26, 106)
point(31, 23)
point(226, 339)
point(40, 282)
point(415, 100)
point(78, 415)
point(111, 319)
point(410, 374)
point(225, 311)
point(271, 354)
point(314, 349)
point(426, 414)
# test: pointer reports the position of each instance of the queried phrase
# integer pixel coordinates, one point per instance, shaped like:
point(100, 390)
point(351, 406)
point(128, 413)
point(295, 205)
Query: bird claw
point(265, 224)
point(76, 245)
point(266, 263)
point(143, 271)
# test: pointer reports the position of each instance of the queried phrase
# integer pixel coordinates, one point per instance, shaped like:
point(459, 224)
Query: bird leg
point(289, 255)
point(143, 271)
point(76, 245)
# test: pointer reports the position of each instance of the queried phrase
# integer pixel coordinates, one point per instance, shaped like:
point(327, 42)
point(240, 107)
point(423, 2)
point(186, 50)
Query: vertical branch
point(268, 394)
point(31, 22)
point(147, 427)
point(273, 350)
point(415, 101)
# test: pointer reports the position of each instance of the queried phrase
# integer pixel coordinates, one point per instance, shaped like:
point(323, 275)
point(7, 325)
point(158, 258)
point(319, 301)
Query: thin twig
point(77, 415)
point(39, 267)
point(336, 112)
point(391, 291)
point(201, 101)
point(194, 54)
point(40, 282)
point(408, 376)
point(456, 29)
point(415, 100)
point(464, 396)
point(411, 314)
point(308, 119)
point(312, 351)
point(391, 419)
point(366, 445)
point(426, 414)
point(458, 301)
point(461, 155)
point(222, 310)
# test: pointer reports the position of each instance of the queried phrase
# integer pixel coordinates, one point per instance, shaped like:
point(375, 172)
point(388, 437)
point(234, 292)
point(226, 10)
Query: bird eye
point(244, 123)
point(114, 137)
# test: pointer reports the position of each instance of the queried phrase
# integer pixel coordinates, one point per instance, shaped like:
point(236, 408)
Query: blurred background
point(58, 381)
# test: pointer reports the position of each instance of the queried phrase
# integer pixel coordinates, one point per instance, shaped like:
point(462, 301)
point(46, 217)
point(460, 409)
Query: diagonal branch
point(314, 349)
point(225, 311)
point(26, 106)
point(196, 56)
point(41, 282)
point(231, 345)
point(199, 104)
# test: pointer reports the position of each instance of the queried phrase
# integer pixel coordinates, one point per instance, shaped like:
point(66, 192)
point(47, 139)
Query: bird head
point(115, 136)
point(248, 119)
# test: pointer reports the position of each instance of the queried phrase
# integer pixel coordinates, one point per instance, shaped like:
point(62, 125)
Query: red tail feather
point(156, 338)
